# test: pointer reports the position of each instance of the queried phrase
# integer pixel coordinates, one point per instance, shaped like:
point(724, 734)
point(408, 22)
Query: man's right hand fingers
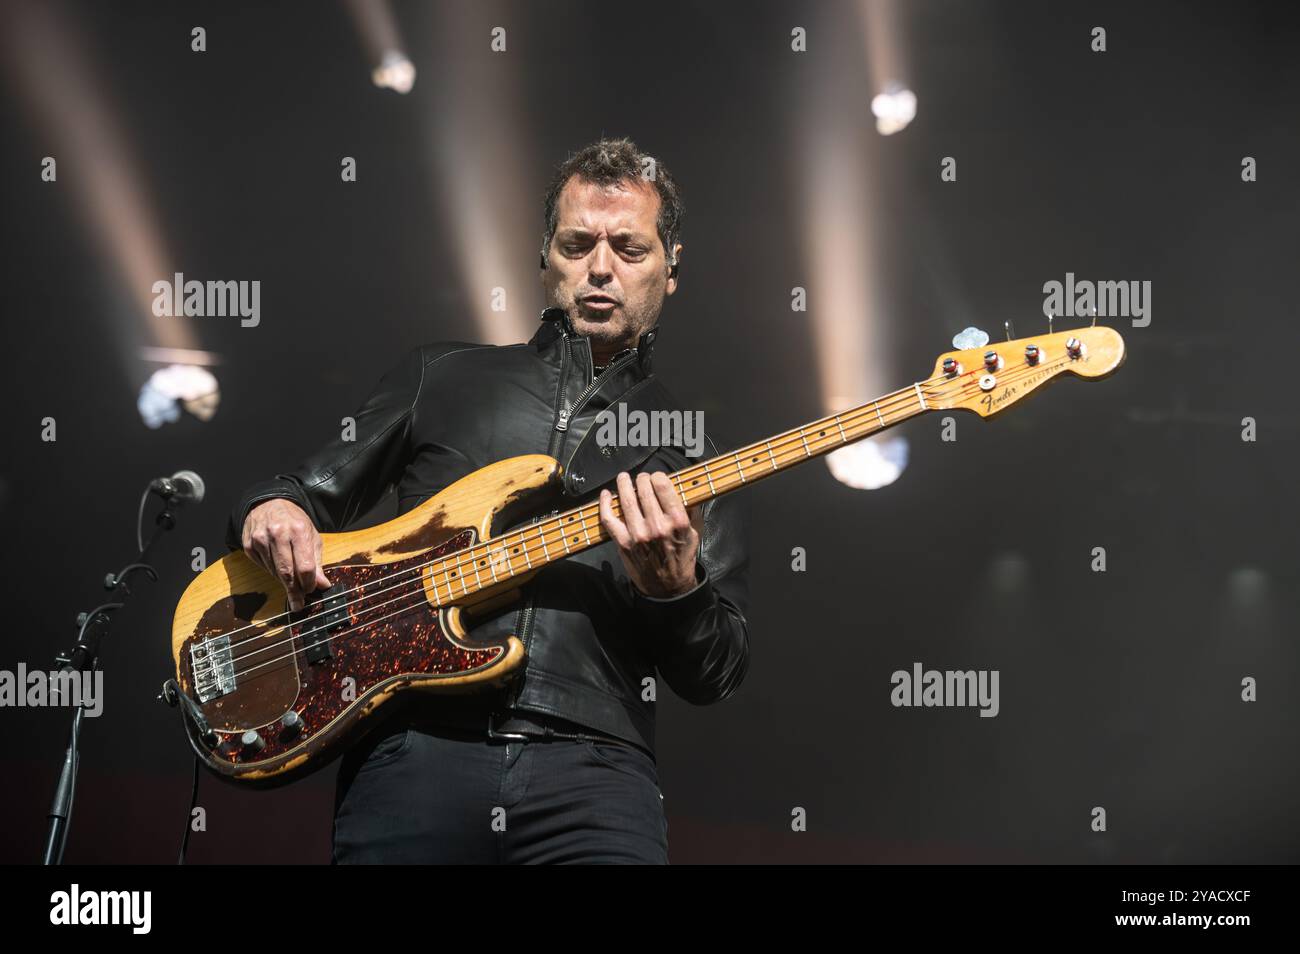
point(280, 536)
point(282, 559)
point(322, 581)
point(304, 561)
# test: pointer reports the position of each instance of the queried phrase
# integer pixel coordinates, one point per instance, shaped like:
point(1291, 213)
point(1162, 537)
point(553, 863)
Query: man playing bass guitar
point(557, 766)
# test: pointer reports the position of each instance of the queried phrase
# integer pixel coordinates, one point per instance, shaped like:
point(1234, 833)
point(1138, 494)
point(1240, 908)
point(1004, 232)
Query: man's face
point(606, 265)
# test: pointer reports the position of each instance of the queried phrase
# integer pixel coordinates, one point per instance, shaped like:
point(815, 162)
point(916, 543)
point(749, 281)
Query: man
point(558, 767)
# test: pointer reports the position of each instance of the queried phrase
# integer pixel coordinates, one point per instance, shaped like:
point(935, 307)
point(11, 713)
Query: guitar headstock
point(971, 382)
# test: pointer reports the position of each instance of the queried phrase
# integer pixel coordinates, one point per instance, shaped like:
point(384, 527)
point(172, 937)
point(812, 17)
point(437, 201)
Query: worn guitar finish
point(286, 692)
point(392, 637)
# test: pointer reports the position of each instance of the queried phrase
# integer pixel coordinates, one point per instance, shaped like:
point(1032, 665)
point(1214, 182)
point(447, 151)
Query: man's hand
point(280, 536)
point(656, 538)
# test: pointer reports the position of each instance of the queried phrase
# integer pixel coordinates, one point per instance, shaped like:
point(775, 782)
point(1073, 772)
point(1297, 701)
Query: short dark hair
point(612, 161)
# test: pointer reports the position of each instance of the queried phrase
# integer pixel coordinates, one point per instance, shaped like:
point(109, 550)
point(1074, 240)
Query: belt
point(500, 727)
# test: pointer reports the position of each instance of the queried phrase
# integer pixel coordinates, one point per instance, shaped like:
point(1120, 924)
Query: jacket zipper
point(524, 627)
point(562, 423)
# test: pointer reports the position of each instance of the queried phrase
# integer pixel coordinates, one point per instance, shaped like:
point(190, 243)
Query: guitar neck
point(525, 550)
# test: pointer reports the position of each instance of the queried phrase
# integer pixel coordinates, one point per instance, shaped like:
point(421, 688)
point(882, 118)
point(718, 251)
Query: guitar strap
point(590, 466)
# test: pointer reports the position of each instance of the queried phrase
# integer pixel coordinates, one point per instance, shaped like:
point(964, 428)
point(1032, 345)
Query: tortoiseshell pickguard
point(391, 630)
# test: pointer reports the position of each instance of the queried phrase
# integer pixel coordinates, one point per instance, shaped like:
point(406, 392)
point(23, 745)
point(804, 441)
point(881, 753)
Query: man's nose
point(601, 268)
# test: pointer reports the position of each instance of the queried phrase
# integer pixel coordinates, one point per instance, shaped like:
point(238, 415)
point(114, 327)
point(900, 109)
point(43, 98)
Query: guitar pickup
point(323, 618)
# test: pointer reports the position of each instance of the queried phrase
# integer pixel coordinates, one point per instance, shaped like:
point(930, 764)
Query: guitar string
point(352, 630)
point(372, 608)
point(530, 550)
point(371, 596)
point(474, 551)
point(419, 594)
point(902, 394)
point(407, 583)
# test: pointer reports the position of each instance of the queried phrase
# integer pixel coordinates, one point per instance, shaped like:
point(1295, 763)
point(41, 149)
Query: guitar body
point(308, 683)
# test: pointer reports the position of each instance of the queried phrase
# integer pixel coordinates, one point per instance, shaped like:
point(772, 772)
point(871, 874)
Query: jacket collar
point(556, 323)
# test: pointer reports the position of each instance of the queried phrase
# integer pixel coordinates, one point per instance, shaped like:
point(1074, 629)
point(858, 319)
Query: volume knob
point(252, 741)
point(292, 723)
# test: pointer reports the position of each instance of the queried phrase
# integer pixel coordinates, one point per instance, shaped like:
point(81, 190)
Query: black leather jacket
point(594, 642)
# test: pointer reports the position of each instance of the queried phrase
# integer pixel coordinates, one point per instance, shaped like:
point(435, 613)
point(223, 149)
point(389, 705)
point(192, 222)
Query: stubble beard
point(613, 335)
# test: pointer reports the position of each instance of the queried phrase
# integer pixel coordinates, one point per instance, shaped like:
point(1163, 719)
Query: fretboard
point(523, 550)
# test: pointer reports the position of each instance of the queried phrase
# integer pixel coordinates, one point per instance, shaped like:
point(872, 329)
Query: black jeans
point(425, 795)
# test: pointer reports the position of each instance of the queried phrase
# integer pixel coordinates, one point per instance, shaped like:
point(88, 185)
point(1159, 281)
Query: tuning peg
point(1010, 331)
point(1032, 354)
point(1074, 348)
point(970, 338)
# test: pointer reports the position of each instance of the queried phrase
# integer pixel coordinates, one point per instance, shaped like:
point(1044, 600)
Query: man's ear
point(674, 264)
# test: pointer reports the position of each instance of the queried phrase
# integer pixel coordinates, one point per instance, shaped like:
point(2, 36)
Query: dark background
point(1118, 689)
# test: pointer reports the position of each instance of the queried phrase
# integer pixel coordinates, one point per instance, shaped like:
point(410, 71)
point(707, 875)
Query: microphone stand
point(84, 658)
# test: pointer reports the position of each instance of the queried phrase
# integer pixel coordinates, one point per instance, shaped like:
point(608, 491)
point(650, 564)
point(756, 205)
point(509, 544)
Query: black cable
point(189, 815)
point(72, 788)
point(119, 579)
point(102, 608)
point(139, 521)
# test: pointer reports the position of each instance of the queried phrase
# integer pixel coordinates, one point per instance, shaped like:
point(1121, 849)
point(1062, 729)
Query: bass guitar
point(275, 694)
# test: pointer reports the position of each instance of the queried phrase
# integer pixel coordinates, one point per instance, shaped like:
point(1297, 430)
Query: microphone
point(184, 486)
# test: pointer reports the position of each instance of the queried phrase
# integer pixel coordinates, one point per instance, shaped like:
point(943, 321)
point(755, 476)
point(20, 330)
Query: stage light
point(1009, 573)
point(382, 41)
point(107, 187)
point(871, 463)
point(846, 263)
point(394, 72)
point(180, 356)
point(1248, 586)
point(894, 109)
point(1252, 618)
point(175, 388)
point(482, 147)
point(883, 26)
